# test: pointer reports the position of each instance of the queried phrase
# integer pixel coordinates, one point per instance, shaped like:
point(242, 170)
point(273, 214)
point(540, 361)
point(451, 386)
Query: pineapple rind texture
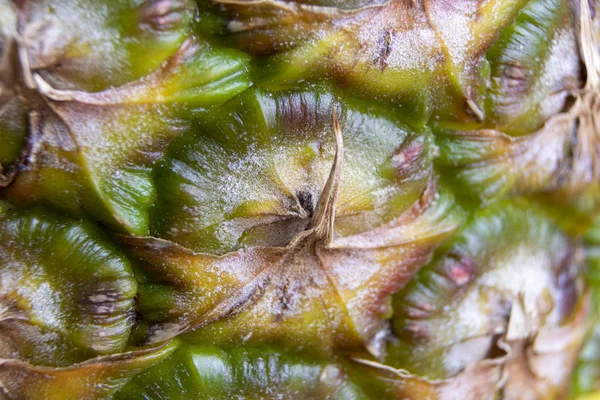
point(67, 291)
point(477, 298)
point(586, 378)
point(208, 372)
point(312, 199)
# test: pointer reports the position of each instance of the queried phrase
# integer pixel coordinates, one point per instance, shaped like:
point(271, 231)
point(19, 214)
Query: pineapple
point(315, 199)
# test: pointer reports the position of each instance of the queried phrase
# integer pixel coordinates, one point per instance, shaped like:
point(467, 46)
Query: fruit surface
point(310, 199)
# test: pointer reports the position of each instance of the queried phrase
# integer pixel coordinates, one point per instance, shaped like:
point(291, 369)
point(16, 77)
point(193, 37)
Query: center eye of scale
point(305, 198)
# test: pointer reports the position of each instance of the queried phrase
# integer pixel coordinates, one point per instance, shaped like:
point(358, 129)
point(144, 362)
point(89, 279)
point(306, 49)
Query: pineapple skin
point(316, 199)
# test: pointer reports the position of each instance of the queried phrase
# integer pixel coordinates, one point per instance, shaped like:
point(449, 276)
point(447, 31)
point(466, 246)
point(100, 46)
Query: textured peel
point(206, 372)
point(66, 293)
point(506, 292)
point(321, 289)
point(92, 152)
point(398, 50)
point(98, 378)
point(558, 162)
point(252, 174)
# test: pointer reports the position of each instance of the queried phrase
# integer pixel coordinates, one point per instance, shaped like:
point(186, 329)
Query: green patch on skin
point(510, 276)
point(92, 153)
point(251, 172)
point(67, 293)
point(206, 372)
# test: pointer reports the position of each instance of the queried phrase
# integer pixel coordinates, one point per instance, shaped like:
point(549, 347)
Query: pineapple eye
point(392, 50)
point(280, 149)
point(285, 208)
point(64, 287)
point(135, 122)
point(539, 138)
point(95, 45)
point(505, 285)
